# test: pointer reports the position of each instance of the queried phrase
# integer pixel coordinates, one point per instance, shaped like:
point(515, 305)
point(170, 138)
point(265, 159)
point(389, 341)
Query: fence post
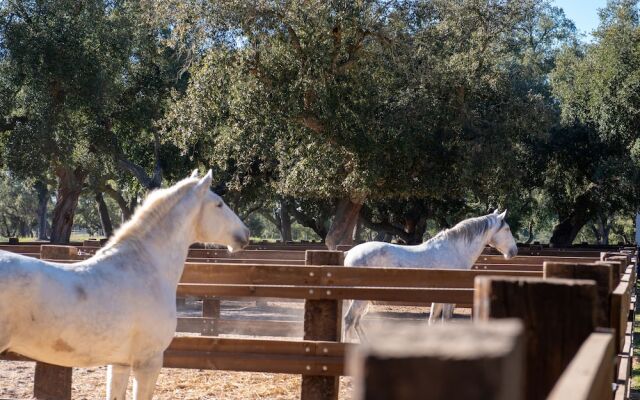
point(602, 274)
point(52, 382)
point(557, 314)
point(454, 361)
point(211, 315)
point(322, 321)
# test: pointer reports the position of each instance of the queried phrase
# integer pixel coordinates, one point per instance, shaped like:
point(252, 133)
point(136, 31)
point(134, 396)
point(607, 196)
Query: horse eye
point(219, 205)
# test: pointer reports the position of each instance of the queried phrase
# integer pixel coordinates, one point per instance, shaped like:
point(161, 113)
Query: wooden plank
point(21, 248)
point(242, 327)
point(211, 312)
point(589, 375)
point(534, 260)
point(58, 252)
point(558, 315)
point(274, 356)
point(337, 276)
point(298, 255)
point(414, 295)
point(508, 267)
point(601, 274)
point(470, 361)
point(322, 321)
point(243, 261)
point(620, 305)
point(327, 367)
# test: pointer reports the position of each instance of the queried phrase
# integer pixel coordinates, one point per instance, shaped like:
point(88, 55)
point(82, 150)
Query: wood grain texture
point(557, 314)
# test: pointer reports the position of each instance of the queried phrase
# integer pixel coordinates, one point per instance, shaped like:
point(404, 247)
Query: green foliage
point(18, 206)
point(433, 101)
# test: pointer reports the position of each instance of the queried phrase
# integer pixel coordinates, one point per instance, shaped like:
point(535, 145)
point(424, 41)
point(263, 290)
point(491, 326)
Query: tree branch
point(383, 226)
point(118, 198)
point(305, 220)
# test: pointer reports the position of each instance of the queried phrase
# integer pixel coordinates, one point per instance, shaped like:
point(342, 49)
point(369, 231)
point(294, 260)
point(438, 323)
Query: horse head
point(217, 223)
point(502, 238)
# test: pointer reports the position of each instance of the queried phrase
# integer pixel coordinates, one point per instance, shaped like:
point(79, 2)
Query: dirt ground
point(16, 378)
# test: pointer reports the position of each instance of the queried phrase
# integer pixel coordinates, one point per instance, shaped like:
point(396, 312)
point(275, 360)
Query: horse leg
point(357, 309)
point(145, 375)
point(447, 311)
point(117, 380)
point(436, 309)
point(361, 335)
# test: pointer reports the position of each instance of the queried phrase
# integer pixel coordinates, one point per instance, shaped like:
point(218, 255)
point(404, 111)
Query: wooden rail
point(590, 373)
point(331, 283)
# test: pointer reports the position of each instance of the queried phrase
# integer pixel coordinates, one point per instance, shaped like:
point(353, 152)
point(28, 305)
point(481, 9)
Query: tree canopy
point(395, 116)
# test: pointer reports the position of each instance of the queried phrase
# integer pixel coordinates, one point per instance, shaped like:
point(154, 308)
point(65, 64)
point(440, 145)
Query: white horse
point(455, 248)
point(119, 306)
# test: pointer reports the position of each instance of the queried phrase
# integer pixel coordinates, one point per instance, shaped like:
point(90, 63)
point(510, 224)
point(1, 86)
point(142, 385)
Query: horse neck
point(164, 248)
point(469, 251)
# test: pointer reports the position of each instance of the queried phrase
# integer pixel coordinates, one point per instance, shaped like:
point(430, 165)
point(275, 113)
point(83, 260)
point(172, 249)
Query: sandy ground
point(16, 378)
point(88, 384)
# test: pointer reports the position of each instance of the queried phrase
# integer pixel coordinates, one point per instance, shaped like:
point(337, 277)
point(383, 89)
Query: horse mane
point(469, 229)
point(147, 216)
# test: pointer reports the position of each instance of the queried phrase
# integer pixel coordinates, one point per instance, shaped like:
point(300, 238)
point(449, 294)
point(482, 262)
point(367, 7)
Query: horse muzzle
point(511, 253)
point(240, 241)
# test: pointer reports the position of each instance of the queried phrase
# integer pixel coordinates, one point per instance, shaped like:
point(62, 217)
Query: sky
point(584, 13)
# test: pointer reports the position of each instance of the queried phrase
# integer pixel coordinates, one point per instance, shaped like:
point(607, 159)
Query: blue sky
point(584, 13)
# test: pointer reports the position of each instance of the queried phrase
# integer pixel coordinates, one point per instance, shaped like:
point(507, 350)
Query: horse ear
point(496, 211)
point(205, 183)
point(503, 215)
point(194, 174)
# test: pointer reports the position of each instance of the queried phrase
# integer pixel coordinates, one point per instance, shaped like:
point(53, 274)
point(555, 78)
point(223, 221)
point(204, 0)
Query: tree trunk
point(415, 228)
point(341, 230)
point(43, 200)
point(69, 189)
point(357, 231)
point(284, 221)
point(105, 219)
point(566, 231)
point(315, 224)
point(531, 235)
point(133, 204)
point(122, 203)
point(605, 229)
point(596, 233)
point(570, 224)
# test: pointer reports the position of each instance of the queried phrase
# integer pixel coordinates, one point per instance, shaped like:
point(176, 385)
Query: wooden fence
point(319, 358)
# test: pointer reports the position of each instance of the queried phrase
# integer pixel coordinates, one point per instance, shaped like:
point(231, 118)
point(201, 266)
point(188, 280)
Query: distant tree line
point(385, 119)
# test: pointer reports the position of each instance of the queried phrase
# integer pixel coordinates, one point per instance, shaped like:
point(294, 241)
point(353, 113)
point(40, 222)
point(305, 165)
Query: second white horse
point(455, 248)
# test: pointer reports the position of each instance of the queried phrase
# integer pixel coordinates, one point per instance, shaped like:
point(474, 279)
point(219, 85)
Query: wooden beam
point(470, 361)
point(620, 304)
point(414, 295)
point(536, 260)
point(337, 276)
point(590, 373)
point(601, 274)
point(211, 313)
point(558, 315)
point(322, 321)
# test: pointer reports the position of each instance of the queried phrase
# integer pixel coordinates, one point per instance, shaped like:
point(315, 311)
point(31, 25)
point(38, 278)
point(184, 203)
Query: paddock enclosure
point(577, 302)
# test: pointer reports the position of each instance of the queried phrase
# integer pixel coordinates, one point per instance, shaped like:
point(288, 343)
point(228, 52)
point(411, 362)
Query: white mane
point(469, 228)
point(154, 208)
